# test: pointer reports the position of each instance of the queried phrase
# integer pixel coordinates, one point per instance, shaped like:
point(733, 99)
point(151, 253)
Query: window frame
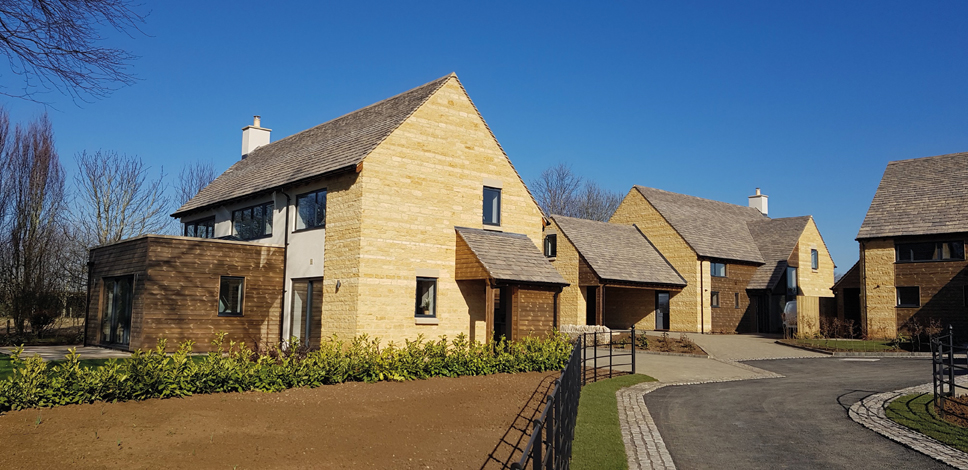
point(251, 209)
point(898, 295)
point(499, 204)
point(296, 220)
point(711, 270)
point(937, 251)
point(814, 259)
point(241, 300)
point(417, 306)
point(551, 251)
point(714, 300)
point(196, 223)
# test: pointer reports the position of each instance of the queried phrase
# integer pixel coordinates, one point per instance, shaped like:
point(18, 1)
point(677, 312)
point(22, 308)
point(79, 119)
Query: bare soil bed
point(467, 422)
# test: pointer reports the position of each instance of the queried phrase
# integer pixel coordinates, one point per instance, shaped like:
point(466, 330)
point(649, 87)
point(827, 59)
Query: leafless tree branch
point(192, 179)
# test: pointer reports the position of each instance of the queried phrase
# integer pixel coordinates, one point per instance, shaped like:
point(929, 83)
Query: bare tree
point(115, 199)
point(55, 44)
point(561, 192)
point(31, 281)
point(192, 179)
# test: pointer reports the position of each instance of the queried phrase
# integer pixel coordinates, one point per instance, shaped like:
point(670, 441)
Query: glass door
point(662, 310)
point(116, 316)
point(306, 315)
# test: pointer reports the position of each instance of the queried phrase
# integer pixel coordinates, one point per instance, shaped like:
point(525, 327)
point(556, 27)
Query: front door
point(306, 315)
point(116, 317)
point(662, 310)
point(591, 305)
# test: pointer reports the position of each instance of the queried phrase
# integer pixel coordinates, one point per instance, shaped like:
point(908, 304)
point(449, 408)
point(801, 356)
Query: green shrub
point(236, 368)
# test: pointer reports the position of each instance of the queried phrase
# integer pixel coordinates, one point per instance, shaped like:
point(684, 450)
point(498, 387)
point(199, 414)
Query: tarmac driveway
point(799, 421)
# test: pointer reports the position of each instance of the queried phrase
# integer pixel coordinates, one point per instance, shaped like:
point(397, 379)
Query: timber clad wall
point(684, 306)
point(728, 318)
point(176, 294)
point(878, 298)
point(627, 306)
point(534, 311)
point(426, 178)
point(942, 287)
point(120, 259)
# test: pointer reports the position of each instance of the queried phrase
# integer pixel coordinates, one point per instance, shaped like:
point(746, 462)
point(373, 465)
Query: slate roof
point(713, 229)
point(923, 196)
point(776, 239)
point(510, 256)
point(332, 146)
point(618, 252)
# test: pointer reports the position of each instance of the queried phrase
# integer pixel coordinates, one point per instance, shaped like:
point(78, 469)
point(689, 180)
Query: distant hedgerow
point(154, 374)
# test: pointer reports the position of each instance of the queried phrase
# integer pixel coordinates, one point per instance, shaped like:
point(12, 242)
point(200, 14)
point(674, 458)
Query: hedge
point(155, 374)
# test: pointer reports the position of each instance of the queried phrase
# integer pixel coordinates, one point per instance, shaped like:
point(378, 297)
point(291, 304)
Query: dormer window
point(492, 206)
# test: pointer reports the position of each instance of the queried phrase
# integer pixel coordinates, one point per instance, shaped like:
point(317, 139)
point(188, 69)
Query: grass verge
point(917, 412)
point(598, 437)
point(846, 345)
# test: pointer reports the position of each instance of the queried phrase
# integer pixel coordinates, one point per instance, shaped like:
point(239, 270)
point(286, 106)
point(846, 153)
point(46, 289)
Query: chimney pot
point(257, 121)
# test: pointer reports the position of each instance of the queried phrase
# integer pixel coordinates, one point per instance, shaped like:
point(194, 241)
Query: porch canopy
point(613, 255)
point(511, 263)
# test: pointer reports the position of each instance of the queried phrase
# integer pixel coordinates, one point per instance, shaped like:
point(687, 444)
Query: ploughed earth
point(466, 422)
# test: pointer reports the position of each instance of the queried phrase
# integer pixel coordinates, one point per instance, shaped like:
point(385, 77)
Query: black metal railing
point(947, 362)
point(550, 445)
point(601, 358)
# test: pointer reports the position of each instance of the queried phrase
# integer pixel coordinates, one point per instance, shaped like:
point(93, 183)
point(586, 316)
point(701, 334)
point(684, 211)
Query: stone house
point(402, 218)
point(740, 266)
point(912, 248)
point(616, 277)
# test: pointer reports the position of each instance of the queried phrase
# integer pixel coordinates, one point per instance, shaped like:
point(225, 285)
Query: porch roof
point(618, 252)
point(510, 257)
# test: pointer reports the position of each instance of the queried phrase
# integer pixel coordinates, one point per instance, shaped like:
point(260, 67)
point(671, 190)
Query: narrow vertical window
point(736, 300)
point(814, 259)
point(551, 245)
point(492, 206)
point(231, 293)
point(792, 287)
point(714, 299)
point(426, 305)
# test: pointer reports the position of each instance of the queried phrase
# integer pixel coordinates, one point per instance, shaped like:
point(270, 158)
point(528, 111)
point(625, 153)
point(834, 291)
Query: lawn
point(917, 412)
point(598, 437)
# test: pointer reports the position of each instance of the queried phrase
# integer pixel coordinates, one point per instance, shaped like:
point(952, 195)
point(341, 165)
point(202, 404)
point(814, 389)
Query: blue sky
point(807, 100)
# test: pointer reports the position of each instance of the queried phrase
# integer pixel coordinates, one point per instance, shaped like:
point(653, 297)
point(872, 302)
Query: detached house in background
point(402, 218)
point(740, 267)
point(912, 249)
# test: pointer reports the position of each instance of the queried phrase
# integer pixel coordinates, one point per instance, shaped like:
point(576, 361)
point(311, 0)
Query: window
point(717, 269)
point(792, 288)
point(736, 300)
point(714, 299)
point(426, 305)
point(814, 259)
point(311, 210)
point(931, 251)
point(253, 222)
point(204, 228)
point(305, 320)
point(908, 296)
point(492, 206)
point(230, 295)
point(551, 246)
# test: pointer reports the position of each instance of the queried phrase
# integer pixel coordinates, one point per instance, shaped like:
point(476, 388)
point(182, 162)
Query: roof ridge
point(906, 160)
point(442, 80)
point(640, 187)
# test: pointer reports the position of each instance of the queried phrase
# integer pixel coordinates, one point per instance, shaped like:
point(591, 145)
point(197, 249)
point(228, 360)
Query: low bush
point(236, 368)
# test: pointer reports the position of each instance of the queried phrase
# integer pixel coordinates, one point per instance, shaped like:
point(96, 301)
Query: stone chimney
point(254, 136)
point(760, 202)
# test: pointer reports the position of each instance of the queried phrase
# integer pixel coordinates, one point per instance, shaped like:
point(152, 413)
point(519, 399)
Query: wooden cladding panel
point(466, 265)
point(942, 287)
point(534, 311)
point(120, 259)
point(182, 289)
point(586, 277)
point(729, 317)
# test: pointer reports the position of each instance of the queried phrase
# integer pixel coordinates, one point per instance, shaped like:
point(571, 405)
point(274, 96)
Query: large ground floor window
point(306, 315)
point(116, 310)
